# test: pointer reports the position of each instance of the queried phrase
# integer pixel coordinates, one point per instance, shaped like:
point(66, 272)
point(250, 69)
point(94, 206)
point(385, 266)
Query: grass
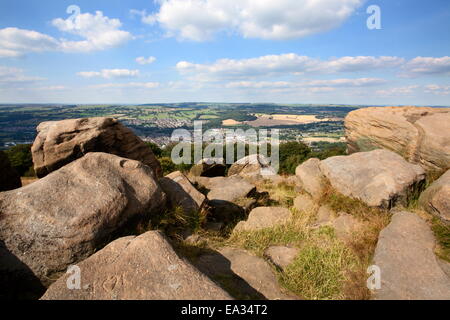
point(442, 233)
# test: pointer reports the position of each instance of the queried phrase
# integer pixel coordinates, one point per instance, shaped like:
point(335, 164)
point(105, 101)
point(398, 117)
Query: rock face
point(209, 168)
point(310, 177)
point(61, 142)
point(226, 188)
point(253, 166)
point(264, 217)
point(420, 135)
point(64, 217)
point(9, 179)
point(379, 178)
point(251, 276)
point(436, 198)
point(138, 268)
point(409, 268)
point(180, 192)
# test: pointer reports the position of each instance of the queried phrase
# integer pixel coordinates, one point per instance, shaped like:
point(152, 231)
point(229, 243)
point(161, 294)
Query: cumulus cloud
point(97, 32)
point(199, 20)
point(15, 42)
point(144, 60)
point(428, 66)
point(284, 64)
point(109, 73)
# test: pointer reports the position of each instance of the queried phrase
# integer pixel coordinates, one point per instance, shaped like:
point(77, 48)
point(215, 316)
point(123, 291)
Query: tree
point(21, 159)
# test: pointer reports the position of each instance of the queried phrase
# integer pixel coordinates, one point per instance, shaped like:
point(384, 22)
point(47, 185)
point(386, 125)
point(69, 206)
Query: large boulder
point(64, 217)
point(380, 178)
point(420, 135)
point(264, 217)
point(180, 192)
point(61, 142)
point(209, 168)
point(408, 265)
point(9, 178)
point(225, 188)
point(137, 268)
point(436, 198)
point(252, 167)
point(310, 177)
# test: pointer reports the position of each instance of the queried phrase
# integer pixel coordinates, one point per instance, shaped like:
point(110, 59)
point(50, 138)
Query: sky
point(284, 51)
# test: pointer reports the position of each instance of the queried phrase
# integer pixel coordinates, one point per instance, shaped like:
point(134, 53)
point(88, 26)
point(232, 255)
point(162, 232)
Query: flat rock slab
point(64, 217)
point(379, 178)
point(251, 277)
point(252, 166)
point(409, 267)
point(436, 198)
point(226, 188)
point(264, 217)
point(281, 256)
point(138, 268)
point(61, 142)
point(181, 192)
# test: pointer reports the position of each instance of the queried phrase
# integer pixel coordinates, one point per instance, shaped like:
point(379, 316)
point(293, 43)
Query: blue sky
point(286, 51)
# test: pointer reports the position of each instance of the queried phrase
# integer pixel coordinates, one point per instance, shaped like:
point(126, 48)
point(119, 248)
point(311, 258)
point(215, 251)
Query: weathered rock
point(138, 268)
point(345, 225)
point(9, 178)
point(436, 198)
point(209, 168)
point(281, 256)
point(64, 217)
point(379, 178)
point(225, 211)
point(420, 135)
point(264, 217)
point(226, 188)
point(409, 267)
point(253, 166)
point(304, 203)
point(311, 178)
point(61, 142)
point(325, 216)
point(246, 274)
point(180, 192)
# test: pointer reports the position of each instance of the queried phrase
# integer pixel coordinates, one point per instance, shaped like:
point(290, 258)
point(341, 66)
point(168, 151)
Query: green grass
point(442, 233)
point(318, 273)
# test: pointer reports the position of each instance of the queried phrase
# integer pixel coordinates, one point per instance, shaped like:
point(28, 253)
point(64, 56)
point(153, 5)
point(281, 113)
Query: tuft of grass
point(281, 195)
point(442, 233)
point(318, 272)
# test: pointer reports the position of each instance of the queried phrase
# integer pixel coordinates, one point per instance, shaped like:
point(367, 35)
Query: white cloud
point(362, 82)
point(144, 60)
point(406, 90)
point(199, 20)
point(16, 42)
point(132, 85)
point(438, 89)
point(428, 66)
point(10, 75)
point(284, 64)
point(109, 73)
point(97, 32)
